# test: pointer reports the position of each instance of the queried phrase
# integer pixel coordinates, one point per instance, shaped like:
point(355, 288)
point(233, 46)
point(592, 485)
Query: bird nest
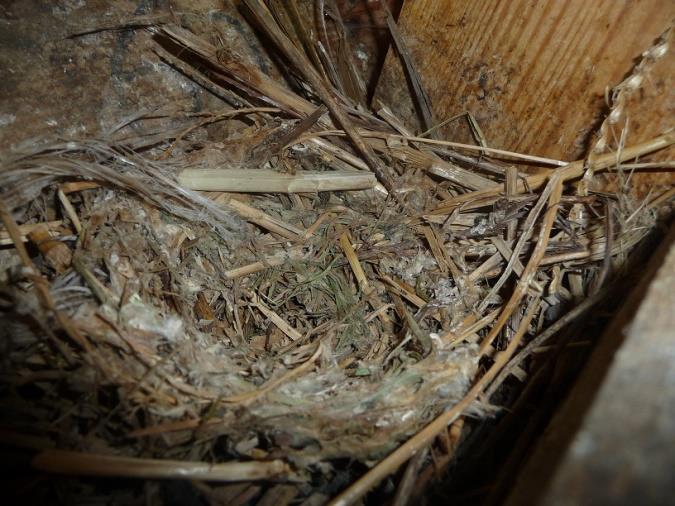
point(293, 279)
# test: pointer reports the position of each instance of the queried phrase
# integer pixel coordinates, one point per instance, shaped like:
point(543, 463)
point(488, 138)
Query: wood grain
point(611, 440)
point(533, 73)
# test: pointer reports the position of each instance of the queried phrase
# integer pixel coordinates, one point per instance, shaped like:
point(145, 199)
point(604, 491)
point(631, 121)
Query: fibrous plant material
point(65, 462)
point(270, 181)
point(294, 281)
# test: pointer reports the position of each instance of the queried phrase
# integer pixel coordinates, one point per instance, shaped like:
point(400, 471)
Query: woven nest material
point(156, 314)
point(147, 316)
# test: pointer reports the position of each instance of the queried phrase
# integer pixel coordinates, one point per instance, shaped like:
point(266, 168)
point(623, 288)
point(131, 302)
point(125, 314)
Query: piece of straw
point(91, 464)
point(270, 181)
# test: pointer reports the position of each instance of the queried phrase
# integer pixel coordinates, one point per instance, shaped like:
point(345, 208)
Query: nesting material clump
point(318, 284)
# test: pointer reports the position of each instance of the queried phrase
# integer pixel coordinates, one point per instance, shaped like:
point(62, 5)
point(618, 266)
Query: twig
point(429, 160)
point(304, 125)
point(453, 337)
point(421, 97)
point(573, 170)
point(293, 334)
point(70, 210)
point(260, 218)
point(472, 147)
point(24, 230)
point(404, 292)
point(436, 249)
point(420, 335)
point(91, 464)
point(270, 181)
point(353, 259)
point(266, 263)
point(407, 484)
point(511, 189)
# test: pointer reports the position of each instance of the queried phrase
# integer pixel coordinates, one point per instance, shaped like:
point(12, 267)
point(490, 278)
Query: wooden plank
point(625, 450)
point(611, 442)
point(533, 74)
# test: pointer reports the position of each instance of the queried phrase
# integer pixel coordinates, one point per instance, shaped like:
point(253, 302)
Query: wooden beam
point(533, 74)
point(611, 441)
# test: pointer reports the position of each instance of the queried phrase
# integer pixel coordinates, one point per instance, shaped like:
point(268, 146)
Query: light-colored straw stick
point(90, 464)
point(271, 181)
